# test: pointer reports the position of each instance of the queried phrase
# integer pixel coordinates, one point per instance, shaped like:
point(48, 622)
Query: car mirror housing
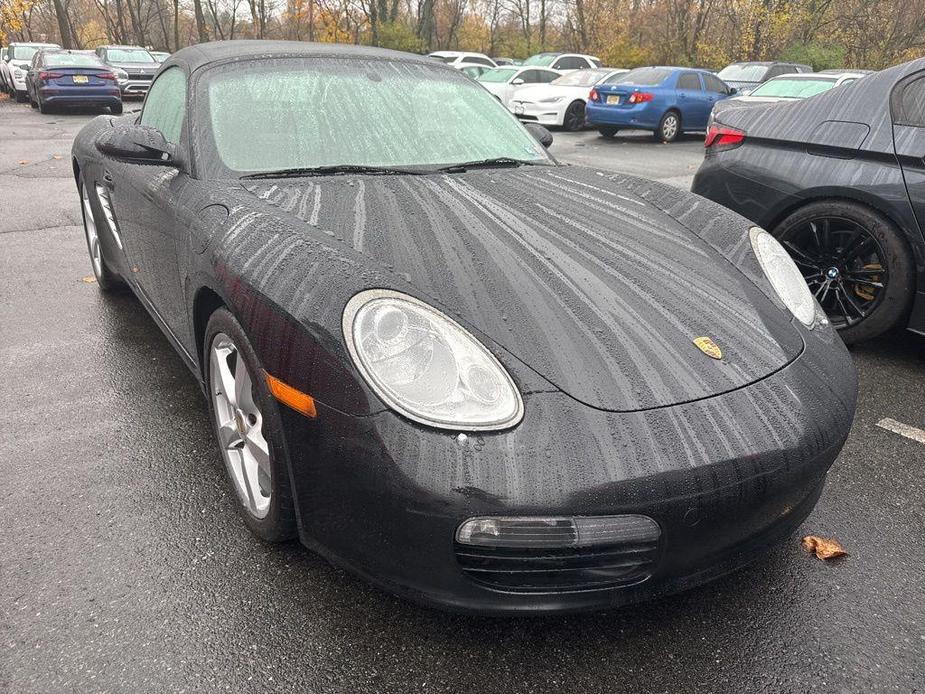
point(517, 82)
point(136, 143)
point(733, 91)
point(540, 134)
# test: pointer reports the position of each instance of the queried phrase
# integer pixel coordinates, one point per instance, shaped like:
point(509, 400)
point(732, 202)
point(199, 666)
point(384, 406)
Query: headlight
point(426, 366)
point(784, 275)
point(121, 75)
point(550, 100)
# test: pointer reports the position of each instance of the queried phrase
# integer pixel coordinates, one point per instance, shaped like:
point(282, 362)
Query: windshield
point(158, 55)
point(71, 60)
point(643, 76)
point(541, 59)
point(271, 115)
point(580, 78)
point(742, 73)
point(129, 55)
point(23, 52)
point(500, 74)
point(793, 88)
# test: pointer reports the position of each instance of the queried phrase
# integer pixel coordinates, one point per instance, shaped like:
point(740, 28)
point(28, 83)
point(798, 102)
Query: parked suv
point(743, 77)
point(139, 65)
point(16, 65)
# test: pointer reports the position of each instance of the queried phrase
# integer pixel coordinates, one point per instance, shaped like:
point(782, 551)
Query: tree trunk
point(201, 27)
point(64, 26)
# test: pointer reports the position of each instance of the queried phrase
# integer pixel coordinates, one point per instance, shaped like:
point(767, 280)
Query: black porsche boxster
point(839, 179)
point(478, 378)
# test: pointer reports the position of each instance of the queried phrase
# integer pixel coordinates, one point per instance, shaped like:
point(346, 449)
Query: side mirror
point(517, 82)
point(141, 144)
point(541, 134)
point(733, 91)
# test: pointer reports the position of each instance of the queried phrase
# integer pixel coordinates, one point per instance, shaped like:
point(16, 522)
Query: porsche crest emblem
point(708, 347)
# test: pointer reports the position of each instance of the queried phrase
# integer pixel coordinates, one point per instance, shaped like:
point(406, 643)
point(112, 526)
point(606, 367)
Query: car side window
point(908, 104)
point(165, 105)
point(689, 80)
point(529, 76)
point(715, 84)
point(479, 61)
point(779, 70)
point(546, 76)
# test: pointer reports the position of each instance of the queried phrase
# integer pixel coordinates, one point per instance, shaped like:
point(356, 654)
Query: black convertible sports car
point(478, 378)
point(839, 179)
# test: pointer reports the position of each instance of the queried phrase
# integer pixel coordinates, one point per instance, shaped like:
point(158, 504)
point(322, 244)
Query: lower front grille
point(558, 570)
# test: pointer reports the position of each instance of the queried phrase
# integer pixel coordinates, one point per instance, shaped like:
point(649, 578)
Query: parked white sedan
point(562, 101)
point(458, 59)
point(503, 81)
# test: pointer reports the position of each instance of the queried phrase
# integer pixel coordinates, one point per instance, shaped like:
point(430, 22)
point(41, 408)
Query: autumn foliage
point(625, 33)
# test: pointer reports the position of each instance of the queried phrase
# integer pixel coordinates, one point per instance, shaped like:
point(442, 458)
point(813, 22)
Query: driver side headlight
point(426, 366)
point(550, 100)
point(784, 276)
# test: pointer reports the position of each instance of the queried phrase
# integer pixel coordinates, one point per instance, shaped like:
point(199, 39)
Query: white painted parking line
point(902, 429)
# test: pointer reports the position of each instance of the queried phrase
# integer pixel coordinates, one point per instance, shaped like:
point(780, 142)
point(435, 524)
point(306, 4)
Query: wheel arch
point(206, 301)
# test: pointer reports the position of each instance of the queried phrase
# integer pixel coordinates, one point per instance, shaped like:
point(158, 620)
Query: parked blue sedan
point(665, 100)
point(69, 78)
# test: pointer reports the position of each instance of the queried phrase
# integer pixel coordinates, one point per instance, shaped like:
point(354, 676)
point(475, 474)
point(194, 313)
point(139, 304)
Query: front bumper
point(723, 477)
point(545, 114)
point(131, 88)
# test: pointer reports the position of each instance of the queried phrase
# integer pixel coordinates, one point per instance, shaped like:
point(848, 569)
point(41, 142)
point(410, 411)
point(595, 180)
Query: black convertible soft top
point(195, 57)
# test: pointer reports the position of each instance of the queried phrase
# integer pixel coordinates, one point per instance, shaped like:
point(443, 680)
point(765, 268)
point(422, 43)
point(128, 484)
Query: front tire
point(669, 127)
point(856, 262)
point(106, 279)
point(116, 109)
point(249, 429)
point(574, 119)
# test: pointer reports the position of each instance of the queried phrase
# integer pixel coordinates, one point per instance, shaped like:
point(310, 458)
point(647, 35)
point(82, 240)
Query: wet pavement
point(124, 566)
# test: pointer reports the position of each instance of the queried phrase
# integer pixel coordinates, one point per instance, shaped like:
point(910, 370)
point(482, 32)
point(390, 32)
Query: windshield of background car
point(128, 55)
point(71, 60)
point(23, 52)
point(541, 59)
point(579, 78)
point(502, 74)
point(742, 73)
point(644, 77)
point(791, 88)
point(269, 115)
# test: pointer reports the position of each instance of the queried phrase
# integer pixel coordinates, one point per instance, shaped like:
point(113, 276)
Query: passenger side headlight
point(426, 366)
point(784, 275)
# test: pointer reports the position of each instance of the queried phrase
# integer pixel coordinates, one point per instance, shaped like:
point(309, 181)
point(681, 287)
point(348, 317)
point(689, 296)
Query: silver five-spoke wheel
point(93, 238)
point(240, 426)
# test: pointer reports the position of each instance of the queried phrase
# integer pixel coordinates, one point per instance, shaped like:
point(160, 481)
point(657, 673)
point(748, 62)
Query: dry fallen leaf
point(56, 157)
point(823, 547)
point(89, 279)
point(24, 161)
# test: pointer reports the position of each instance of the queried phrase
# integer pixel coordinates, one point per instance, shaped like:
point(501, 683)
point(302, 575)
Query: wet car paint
point(381, 495)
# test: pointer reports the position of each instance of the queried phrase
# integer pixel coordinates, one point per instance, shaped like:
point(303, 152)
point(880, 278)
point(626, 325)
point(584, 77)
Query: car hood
point(587, 283)
point(137, 68)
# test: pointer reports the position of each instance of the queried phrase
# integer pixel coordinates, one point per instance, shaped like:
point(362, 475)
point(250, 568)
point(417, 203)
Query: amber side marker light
point(286, 394)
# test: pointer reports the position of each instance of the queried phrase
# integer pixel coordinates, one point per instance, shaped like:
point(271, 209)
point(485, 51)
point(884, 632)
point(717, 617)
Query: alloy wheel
point(93, 238)
point(240, 426)
point(574, 117)
point(670, 127)
point(843, 264)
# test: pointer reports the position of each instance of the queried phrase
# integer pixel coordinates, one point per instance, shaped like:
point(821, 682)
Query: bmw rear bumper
point(724, 478)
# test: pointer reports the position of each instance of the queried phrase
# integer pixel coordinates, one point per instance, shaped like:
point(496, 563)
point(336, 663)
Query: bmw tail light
point(593, 96)
point(722, 137)
point(640, 97)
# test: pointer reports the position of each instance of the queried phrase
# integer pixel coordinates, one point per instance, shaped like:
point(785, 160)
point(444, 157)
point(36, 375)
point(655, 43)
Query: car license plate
point(613, 99)
point(81, 79)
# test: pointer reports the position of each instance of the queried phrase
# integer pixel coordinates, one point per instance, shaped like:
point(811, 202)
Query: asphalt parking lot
point(124, 566)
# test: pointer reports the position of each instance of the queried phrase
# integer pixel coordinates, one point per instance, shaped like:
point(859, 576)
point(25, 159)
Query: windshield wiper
point(333, 171)
point(493, 163)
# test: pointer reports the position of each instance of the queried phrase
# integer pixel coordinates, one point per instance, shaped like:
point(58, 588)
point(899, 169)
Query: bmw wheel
point(856, 263)
point(249, 429)
point(106, 279)
point(669, 127)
